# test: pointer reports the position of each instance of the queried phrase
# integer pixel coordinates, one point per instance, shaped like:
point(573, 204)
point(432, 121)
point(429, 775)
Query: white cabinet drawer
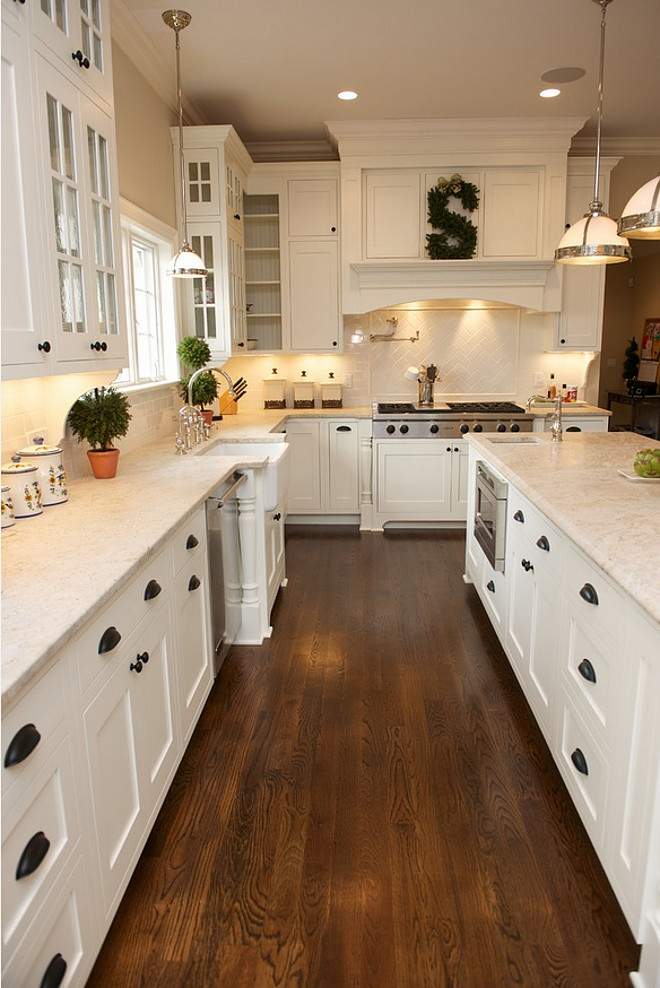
point(39, 832)
point(30, 728)
point(190, 541)
point(593, 597)
point(544, 546)
point(591, 680)
point(586, 771)
point(101, 642)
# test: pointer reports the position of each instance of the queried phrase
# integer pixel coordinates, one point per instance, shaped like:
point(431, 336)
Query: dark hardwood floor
point(367, 803)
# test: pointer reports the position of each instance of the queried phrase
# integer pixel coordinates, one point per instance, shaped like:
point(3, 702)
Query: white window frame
point(137, 224)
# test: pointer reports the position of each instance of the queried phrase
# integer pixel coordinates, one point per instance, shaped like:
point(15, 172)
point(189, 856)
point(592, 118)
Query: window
point(147, 249)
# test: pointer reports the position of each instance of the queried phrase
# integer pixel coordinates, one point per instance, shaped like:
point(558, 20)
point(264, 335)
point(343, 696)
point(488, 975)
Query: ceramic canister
point(23, 480)
point(7, 507)
point(52, 476)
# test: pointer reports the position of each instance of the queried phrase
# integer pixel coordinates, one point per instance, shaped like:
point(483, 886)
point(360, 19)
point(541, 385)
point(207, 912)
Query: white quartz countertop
point(576, 484)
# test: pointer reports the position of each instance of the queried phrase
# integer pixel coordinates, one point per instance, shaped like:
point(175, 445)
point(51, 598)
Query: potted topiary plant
point(194, 353)
point(99, 417)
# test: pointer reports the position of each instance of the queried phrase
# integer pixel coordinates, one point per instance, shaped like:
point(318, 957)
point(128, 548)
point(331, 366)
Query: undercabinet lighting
point(549, 93)
point(347, 94)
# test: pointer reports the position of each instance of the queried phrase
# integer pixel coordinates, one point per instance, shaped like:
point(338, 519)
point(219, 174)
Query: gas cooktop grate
point(486, 407)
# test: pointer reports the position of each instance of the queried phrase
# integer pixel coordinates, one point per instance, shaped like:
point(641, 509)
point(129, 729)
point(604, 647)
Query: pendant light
point(594, 239)
point(641, 216)
point(185, 263)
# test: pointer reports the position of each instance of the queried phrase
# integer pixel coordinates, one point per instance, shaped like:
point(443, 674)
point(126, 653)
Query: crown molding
point(621, 146)
point(291, 151)
point(127, 33)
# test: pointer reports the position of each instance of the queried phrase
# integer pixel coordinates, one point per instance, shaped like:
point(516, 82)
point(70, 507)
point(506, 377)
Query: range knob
point(501, 427)
point(403, 429)
point(434, 429)
point(515, 427)
point(478, 428)
point(390, 429)
point(465, 428)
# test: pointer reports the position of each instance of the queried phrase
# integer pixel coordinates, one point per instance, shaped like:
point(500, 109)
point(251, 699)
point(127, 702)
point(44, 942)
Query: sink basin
point(516, 439)
point(275, 473)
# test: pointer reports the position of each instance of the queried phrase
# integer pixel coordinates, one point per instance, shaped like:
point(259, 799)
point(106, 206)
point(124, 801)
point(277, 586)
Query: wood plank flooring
point(367, 803)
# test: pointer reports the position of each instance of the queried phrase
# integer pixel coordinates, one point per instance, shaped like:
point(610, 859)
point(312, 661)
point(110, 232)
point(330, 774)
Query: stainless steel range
point(448, 420)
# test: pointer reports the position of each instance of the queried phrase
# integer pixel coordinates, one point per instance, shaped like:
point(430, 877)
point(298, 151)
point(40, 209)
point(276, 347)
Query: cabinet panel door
point(314, 295)
point(393, 214)
point(154, 729)
point(304, 492)
point(312, 207)
point(343, 450)
point(413, 479)
point(67, 27)
point(510, 214)
point(210, 306)
point(194, 665)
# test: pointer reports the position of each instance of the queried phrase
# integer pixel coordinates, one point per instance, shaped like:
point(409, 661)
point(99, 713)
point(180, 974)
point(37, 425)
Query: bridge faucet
point(191, 419)
point(555, 427)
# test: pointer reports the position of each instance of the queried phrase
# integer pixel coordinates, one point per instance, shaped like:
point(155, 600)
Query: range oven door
point(490, 515)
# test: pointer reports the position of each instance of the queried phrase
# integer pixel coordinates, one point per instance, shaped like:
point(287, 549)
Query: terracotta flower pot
point(208, 415)
point(103, 462)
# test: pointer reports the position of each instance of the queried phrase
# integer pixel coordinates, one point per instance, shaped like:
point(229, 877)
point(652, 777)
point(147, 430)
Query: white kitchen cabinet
point(312, 208)
point(275, 552)
point(573, 423)
point(216, 165)
point(393, 214)
point(324, 462)
point(314, 296)
point(511, 213)
point(420, 480)
point(263, 271)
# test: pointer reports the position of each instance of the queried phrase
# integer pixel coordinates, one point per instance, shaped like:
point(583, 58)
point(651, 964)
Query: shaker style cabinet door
point(314, 296)
point(312, 208)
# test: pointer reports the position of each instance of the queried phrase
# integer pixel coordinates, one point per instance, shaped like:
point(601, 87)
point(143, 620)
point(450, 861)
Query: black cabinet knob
point(334, 342)
point(140, 660)
point(32, 855)
point(448, 449)
point(152, 589)
point(81, 59)
point(44, 347)
point(519, 516)
point(241, 344)
point(589, 594)
point(587, 671)
point(277, 516)
point(526, 565)
point(192, 542)
point(98, 346)
point(21, 745)
point(580, 761)
point(54, 973)
point(333, 229)
point(542, 543)
point(109, 640)
point(194, 583)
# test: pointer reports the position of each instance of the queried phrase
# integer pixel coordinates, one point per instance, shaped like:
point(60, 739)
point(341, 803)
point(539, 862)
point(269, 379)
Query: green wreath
point(459, 229)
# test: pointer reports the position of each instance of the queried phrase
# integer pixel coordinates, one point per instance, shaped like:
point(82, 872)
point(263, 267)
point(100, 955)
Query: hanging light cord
point(597, 205)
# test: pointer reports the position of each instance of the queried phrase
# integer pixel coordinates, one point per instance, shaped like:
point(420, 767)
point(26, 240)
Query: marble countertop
point(576, 484)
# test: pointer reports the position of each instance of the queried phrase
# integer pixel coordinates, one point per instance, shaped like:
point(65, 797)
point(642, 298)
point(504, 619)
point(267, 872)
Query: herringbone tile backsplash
point(475, 351)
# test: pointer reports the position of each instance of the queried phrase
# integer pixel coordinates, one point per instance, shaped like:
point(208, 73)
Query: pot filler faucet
point(191, 420)
point(555, 425)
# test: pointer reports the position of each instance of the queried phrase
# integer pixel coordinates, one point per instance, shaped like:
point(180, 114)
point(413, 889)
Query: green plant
point(99, 416)
point(194, 353)
point(630, 368)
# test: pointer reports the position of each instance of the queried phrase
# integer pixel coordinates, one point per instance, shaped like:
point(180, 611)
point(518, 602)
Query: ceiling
point(273, 70)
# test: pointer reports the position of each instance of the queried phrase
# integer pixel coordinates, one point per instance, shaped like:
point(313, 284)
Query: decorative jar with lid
point(303, 392)
point(274, 390)
point(25, 489)
point(51, 472)
point(331, 392)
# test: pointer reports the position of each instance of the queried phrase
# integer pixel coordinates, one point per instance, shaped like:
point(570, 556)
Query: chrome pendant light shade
point(641, 215)
point(185, 263)
point(594, 239)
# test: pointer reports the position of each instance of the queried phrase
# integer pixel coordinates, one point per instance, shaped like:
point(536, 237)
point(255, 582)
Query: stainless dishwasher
point(225, 571)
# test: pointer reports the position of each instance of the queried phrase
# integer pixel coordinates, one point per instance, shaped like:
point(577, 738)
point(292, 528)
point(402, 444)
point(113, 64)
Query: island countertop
point(576, 483)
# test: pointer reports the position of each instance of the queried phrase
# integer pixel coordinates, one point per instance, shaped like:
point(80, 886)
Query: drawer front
point(40, 831)
point(492, 590)
point(190, 541)
point(31, 728)
point(543, 545)
point(102, 642)
point(593, 597)
point(63, 934)
point(589, 677)
point(585, 770)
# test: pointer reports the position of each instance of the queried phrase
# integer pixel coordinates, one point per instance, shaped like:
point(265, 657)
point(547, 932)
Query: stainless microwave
point(490, 514)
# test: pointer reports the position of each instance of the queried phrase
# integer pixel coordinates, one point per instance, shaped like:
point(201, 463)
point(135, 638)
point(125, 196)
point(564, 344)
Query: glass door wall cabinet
point(263, 286)
point(62, 308)
point(216, 165)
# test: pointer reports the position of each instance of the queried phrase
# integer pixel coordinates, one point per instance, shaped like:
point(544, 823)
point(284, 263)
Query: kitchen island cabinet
point(593, 685)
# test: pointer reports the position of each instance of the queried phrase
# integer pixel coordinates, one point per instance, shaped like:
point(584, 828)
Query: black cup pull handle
point(32, 855)
point(587, 671)
point(21, 745)
point(519, 516)
point(194, 583)
point(490, 586)
point(192, 542)
point(589, 594)
point(344, 428)
point(109, 640)
point(542, 543)
point(152, 589)
point(54, 973)
point(580, 761)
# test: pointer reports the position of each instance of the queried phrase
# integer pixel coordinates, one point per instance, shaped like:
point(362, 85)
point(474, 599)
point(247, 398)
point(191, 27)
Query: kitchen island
point(575, 602)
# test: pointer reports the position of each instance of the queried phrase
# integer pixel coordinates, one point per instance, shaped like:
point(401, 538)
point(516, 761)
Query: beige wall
point(632, 292)
point(144, 149)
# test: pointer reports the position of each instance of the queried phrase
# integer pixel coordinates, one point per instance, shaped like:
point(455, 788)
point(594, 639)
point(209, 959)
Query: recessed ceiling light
point(563, 75)
point(549, 93)
point(347, 94)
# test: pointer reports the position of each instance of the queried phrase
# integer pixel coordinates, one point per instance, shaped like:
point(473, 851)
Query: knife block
point(228, 406)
